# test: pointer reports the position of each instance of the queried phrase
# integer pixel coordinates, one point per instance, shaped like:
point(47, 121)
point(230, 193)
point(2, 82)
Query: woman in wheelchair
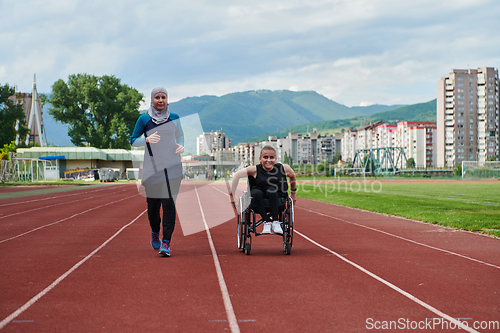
point(268, 182)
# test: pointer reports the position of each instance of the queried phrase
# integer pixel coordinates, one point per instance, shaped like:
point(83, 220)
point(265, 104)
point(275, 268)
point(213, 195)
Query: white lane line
point(32, 301)
point(402, 238)
point(390, 285)
point(63, 194)
point(58, 204)
point(231, 317)
point(64, 219)
point(219, 190)
point(226, 194)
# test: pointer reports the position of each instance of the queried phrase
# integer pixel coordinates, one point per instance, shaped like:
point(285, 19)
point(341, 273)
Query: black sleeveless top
point(270, 181)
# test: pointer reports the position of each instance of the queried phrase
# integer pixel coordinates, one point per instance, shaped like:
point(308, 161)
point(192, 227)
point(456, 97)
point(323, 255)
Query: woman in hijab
point(162, 167)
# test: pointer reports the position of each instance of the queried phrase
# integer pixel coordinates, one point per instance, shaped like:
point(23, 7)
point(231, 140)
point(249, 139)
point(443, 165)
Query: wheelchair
point(247, 222)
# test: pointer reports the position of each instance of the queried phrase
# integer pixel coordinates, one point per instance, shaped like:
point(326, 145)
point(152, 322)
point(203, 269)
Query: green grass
point(461, 205)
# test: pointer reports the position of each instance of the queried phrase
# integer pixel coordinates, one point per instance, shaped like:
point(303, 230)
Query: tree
point(10, 113)
point(100, 110)
point(411, 163)
point(287, 159)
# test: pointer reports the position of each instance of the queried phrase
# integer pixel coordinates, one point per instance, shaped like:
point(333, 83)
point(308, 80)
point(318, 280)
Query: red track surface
point(378, 267)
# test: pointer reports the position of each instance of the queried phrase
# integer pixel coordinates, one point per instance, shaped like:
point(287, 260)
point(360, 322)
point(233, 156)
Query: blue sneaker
point(155, 240)
point(165, 248)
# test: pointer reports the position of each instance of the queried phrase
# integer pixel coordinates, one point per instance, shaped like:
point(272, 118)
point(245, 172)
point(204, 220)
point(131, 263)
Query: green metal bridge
point(380, 161)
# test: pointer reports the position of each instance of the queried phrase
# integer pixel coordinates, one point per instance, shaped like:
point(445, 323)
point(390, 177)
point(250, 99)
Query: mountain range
point(415, 112)
point(246, 116)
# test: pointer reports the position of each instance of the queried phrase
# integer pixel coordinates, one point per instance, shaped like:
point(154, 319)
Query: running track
point(80, 261)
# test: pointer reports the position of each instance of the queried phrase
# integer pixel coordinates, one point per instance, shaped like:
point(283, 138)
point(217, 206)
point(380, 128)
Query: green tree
point(411, 163)
point(10, 113)
point(100, 110)
point(287, 159)
point(7, 148)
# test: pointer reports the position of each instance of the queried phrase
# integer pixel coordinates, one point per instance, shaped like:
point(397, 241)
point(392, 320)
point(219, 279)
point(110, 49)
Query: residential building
point(385, 136)
point(349, 146)
point(366, 135)
point(245, 153)
point(296, 149)
point(417, 139)
point(467, 116)
point(208, 142)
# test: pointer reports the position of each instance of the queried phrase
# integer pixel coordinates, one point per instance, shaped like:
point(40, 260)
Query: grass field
point(473, 206)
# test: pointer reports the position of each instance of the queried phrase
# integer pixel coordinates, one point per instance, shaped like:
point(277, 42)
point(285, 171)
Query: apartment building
point(467, 116)
point(310, 148)
point(349, 140)
point(245, 153)
point(209, 142)
point(367, 135)
point(417, 139)
point(385, 136)
point(363, 138)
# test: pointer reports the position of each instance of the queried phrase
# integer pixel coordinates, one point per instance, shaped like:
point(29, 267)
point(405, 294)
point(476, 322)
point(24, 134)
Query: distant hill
point(248, 114)
point(415, 112)
point(376, 108)
point(243, 115)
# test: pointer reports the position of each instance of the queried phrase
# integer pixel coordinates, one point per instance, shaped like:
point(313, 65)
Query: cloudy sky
point(355, 52)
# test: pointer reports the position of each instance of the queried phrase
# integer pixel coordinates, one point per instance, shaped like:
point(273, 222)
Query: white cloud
point(352, 51)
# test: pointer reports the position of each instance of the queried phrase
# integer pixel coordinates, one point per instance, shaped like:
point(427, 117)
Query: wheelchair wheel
point(241, 233)
point(248, 247)
point(288, 218)
point(288, 248)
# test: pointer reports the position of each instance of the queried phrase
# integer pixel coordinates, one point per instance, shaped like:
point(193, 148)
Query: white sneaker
point(267, 228)
point(277, 227)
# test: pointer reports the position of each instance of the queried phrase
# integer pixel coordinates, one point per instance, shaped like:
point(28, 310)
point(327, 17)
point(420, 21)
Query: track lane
point(303, 291)
point(13, 193)
point(472, 245)
point(35, 259)
point(467, 279)
point(126, 285)
point(455, 285)
point(12, 206)
point(28, 218)
point(309, 290)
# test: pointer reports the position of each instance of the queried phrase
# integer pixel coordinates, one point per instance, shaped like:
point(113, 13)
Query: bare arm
point(248, 171)
point(292, 179)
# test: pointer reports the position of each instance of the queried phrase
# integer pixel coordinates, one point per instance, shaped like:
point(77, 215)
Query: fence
point(480, 170)
point(27, 170)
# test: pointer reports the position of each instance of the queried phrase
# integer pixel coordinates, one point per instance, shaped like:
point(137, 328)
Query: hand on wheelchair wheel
point(235, 205)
